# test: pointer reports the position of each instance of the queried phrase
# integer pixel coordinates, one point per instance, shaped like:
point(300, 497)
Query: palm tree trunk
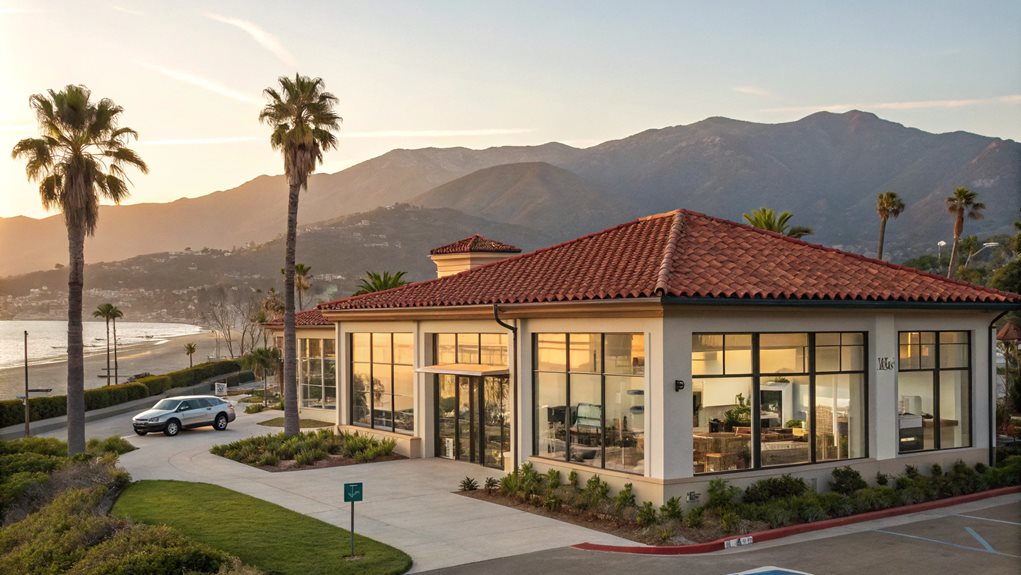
point(958, 228)
point(882, 238)
point(116, 365)
point(291, 426)
point(75, 357)
point(108, 351)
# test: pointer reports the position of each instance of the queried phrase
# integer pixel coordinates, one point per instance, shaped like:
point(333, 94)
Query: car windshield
point(167, 404)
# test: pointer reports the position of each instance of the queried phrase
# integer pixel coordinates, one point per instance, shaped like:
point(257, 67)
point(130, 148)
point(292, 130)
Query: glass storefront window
point(589, 408)
point(934, 390)
point(317, 373)
point(746, 417)
point(383, 381)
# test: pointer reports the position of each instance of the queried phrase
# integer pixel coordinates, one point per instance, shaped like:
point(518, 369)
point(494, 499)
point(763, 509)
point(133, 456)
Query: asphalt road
point(985, 541)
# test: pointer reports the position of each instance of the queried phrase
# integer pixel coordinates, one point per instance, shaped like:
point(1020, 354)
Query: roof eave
point(830, 303)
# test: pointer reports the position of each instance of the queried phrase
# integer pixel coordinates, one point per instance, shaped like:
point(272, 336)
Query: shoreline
point(159, 356)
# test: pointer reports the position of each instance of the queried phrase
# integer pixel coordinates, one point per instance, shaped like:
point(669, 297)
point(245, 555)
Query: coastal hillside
point(826, 168)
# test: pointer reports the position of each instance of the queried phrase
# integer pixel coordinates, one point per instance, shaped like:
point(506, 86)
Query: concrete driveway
point(408, 504)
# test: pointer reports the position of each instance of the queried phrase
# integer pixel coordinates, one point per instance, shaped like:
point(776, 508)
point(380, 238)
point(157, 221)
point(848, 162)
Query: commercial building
point(663, 352)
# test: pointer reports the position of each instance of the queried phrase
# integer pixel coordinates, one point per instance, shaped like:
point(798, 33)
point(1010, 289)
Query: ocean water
point(47, 340)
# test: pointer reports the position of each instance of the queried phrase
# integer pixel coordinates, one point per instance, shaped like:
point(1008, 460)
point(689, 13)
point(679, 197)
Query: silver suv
point(172, 414)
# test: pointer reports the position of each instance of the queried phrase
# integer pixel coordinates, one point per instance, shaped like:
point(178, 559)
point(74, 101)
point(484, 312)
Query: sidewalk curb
point(741, 540)
point(44, 425)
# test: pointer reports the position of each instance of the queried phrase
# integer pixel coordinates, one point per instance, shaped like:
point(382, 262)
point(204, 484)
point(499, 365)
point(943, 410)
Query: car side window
point(185, 406)
point(200, 403)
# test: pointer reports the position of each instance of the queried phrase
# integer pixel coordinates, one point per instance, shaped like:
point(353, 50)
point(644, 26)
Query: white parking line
point(990, 519)
point(918, 538)
point(980, 539)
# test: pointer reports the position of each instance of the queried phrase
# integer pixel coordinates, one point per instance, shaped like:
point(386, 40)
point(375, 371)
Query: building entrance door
point(473, 419)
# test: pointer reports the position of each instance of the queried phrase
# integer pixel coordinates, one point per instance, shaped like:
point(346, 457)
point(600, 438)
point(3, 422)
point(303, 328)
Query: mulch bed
point(330, 461)
point(611, 525)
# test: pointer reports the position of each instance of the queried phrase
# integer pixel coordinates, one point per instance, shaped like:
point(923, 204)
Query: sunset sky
point(480, 74)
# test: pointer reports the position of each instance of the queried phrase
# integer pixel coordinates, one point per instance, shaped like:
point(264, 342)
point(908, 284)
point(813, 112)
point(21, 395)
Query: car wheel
point(173, 428)
point(141, 431)
point(221, 422)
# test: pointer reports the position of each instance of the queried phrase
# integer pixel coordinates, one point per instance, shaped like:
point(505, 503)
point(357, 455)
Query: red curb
point(721, 544)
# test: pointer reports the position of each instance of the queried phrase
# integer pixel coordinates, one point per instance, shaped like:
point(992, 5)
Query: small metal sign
point(221, 388)
point(352, 492)
point(885, 363)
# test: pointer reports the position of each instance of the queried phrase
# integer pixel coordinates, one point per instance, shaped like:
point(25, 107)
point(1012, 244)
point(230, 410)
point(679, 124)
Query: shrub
point(730, 522)
point(29, 462)
point(911, 471)
point(553, 502)
point(672, 509)
point(722, 494)
point(468, 484)
point(552, 478)
point(777, 514)
point(774, 488)
point(595, 493)
point(810, 508)
point(572, 479)
point(873, 499)
point(882, 478)
point(646, 514)
point(847, 480)
point(490, 485)
point(268, 458)
point(113, 444)
point(309, 455)
point(694, 518)
point(625, 499)
point(40, 445)
point(108, 395)
point(509, 484)
point(253, 408)
point(837, 504)
point(153, 550)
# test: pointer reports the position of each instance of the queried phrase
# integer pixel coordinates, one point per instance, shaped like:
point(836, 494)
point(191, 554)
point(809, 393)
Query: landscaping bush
point(730, 522)
point(595, 493)
point(153, 550)
point(253, 408)
point(106, 396)
point(672, 509)
point(773, 488)
point(469, 484)
point(41, 445)
point(646, 515)
point(625, 499)
point(115, 445)
point(722, 495)
point(305, 448)
point(846, 481)
point(873, 499)
point(695, 518)
point(29, 462)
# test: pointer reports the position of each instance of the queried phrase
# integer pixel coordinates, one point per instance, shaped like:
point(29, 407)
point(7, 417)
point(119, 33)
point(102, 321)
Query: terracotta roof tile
point(686, 255)
point(475, 243)
point(307, 318)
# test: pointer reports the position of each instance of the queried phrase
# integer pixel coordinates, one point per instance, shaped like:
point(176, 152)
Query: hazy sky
point(483, 73)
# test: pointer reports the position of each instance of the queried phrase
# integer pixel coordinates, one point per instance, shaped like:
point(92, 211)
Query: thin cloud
point(434, 133)
point(752, 91)
point(205, 84)
point(199, 141)
point(264, 38)
point(905, 105)
point(130, 11)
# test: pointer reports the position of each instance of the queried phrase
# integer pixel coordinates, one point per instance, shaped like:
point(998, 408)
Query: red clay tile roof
point(475, 243)
point(685, 255)
point(307, 318)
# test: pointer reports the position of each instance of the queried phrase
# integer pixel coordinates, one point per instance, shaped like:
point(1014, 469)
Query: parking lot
point(983, 536)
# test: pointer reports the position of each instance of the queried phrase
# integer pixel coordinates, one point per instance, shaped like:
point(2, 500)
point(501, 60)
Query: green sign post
point(352, 492)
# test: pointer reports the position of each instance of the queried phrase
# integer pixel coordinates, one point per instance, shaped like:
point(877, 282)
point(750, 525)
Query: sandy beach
point(158, 357)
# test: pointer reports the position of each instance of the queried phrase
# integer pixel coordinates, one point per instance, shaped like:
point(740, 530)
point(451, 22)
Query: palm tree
point(766, 219)
point(959, 205)
point(262, 359)
point(104, 311)
point(373, 282)
point(79, 158)
point(190, 349)
point(888, 205)
point(115, 314)
point(301, 274)
point(303, 122)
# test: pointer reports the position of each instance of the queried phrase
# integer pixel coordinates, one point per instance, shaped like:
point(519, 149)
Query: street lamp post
point(984, 246)
point(939, 255)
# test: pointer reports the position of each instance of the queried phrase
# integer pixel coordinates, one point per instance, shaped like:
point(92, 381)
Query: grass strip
point(270, 537)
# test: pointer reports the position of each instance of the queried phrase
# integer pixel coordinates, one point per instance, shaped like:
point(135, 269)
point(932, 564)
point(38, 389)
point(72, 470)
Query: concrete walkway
point(409, 504)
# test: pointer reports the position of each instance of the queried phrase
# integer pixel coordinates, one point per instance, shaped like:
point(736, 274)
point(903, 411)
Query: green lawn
point(274, 539)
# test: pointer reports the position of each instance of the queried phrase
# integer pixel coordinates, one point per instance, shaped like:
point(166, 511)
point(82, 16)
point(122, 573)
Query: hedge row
point(12, 411)
point(190, 376)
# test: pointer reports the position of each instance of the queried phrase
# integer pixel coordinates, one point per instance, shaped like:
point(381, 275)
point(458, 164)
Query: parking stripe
point(991, 519)
point(979, 538)
point(946, 543)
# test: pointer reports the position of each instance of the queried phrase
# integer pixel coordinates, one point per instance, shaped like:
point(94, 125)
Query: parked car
point(173, 414)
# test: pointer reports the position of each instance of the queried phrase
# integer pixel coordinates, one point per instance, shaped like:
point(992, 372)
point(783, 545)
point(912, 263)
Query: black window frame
point(936, 370)
point(372, 396)
point(756, 376)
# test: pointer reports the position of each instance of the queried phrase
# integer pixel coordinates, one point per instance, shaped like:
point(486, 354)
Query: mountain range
point(826, 168)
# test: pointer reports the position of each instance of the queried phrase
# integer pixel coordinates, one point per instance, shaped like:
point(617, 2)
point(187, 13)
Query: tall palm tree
point(79, 158)
point(959, 205)
point(888, 205)
point(767, 219)
point(303, 121)
point(104, 311)
point(115, 314)
point(302, 273)
point(373, 282)
point(190, 349)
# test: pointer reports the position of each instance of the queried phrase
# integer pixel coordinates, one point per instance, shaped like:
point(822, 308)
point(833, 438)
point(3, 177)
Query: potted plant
point(738, 416)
